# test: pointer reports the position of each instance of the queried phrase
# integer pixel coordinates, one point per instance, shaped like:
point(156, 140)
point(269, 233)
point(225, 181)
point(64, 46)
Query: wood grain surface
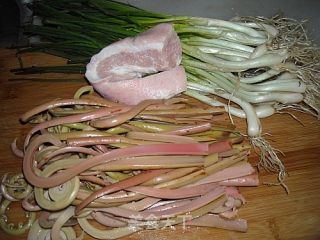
point(271, 213)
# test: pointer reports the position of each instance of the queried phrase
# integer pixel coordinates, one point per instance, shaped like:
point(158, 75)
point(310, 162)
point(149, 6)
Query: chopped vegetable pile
point(160, 163)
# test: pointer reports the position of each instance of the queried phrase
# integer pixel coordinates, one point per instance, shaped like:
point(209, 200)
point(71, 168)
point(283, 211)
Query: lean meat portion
point(117, 71)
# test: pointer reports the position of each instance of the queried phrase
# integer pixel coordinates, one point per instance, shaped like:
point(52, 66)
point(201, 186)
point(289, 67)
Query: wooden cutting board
point(271, 213)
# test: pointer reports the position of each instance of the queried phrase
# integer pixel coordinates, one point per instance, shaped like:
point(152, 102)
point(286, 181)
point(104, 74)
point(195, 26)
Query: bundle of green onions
point(154, 165)
point(262, 65)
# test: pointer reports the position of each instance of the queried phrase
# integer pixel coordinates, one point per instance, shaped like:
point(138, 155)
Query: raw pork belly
point(117, 71)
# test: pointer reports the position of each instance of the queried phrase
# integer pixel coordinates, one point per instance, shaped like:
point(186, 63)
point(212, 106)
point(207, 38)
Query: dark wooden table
point(271, 213)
